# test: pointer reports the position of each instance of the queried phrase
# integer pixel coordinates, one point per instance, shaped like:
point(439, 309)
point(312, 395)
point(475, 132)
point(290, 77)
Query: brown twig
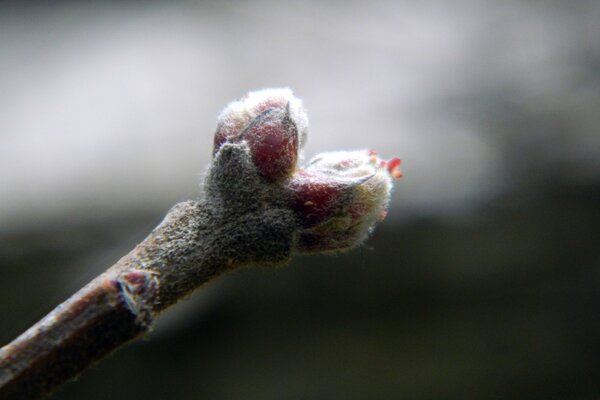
point(187, 249)
point(114, 308)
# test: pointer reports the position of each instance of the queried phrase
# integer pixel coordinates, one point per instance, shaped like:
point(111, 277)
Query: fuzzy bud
point(273, 124)
point(330, 204)
point(338, 197)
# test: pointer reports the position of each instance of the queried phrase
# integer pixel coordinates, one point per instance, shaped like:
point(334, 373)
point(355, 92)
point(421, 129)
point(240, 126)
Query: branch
point(258, 208)
point(119, 305)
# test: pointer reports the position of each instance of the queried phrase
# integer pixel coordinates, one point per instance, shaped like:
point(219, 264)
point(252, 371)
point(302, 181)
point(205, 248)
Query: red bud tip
point(393, 167)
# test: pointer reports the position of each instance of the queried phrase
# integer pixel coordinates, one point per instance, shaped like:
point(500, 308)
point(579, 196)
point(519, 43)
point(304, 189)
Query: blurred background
point(484, 280)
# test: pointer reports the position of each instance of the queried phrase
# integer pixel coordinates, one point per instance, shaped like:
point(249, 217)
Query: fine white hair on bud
point(238, 114)
point(334, 200)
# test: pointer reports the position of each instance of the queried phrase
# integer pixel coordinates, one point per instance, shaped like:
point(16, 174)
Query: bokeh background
point(483, 282)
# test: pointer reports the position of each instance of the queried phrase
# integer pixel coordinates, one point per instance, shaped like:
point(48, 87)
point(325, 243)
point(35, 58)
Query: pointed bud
point(273, 124)
point(338, 197)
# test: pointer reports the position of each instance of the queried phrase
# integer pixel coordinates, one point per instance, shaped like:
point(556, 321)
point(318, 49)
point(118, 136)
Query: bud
point(338, 197)
point(273, 124)
point(331, 204)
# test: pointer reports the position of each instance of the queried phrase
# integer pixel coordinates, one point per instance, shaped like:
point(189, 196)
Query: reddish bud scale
point(272, 138)
point(273, 143)
point(314, 197)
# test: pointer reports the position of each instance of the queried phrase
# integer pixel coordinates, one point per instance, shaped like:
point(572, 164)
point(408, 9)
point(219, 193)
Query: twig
point(119, 305)
point(258, 208)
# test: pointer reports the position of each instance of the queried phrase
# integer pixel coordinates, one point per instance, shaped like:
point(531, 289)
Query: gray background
point(484, 280)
